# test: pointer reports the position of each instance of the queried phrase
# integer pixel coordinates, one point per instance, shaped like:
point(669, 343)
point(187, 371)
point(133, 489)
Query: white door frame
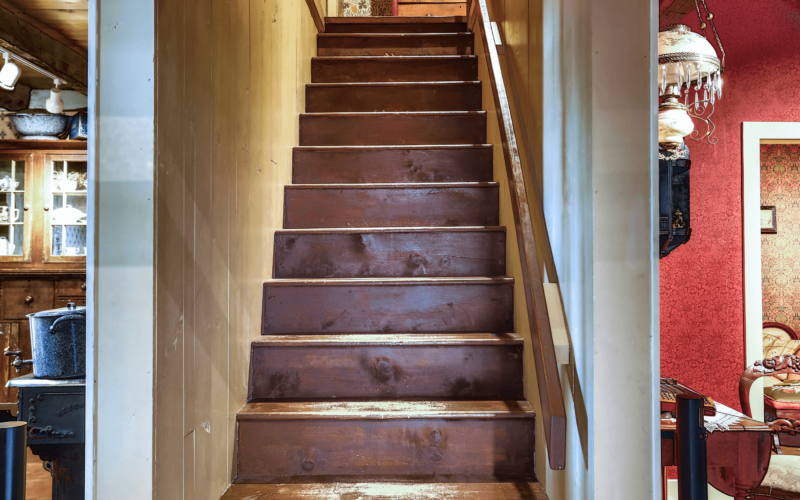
point(753, 134)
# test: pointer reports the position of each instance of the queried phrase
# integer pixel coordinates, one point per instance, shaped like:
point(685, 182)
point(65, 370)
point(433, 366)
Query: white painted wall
point(601, 185)
point(120, 260)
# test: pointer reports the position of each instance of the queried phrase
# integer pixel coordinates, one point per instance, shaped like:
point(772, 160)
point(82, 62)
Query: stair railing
point(544, 351)
point(316, 15)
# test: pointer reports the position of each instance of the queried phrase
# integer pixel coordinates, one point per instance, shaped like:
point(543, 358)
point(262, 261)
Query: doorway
point(756, 135)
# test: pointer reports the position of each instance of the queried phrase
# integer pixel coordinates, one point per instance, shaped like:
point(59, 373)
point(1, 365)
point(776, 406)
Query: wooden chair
point(783, 476)
point(780, 401)
point(779, 330)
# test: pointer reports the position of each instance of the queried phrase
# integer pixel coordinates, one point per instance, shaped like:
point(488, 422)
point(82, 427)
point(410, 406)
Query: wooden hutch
point(43, 192)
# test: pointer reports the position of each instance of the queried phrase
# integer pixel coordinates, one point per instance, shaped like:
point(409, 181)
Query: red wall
point(702, 307)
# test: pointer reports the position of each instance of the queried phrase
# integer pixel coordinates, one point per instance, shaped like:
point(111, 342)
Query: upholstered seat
point(783, 478)
point(781, 391)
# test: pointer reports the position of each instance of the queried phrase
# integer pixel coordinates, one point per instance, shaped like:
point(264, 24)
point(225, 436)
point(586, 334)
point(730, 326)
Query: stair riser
point(396, 28)
point(466, 164)
point(388, 308)
point(395, 45)
point(390, 207)
point(387, 372)
point(390, 254)
point(391, 69)
point(396, 97)
point(390, 129)
point(464, 449)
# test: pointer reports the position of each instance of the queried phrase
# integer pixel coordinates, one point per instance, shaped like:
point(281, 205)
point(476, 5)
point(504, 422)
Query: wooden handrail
point(319, 19)
point(544, 355)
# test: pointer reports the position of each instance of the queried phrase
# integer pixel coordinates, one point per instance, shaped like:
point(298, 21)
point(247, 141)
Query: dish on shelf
point(67, 215)
point(8, 184)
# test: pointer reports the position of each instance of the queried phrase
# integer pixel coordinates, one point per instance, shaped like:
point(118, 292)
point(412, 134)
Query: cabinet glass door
point(68, 204)
point(15, 176)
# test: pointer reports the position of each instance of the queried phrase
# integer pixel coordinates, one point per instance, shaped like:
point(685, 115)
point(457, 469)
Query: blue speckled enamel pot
point(58, 339)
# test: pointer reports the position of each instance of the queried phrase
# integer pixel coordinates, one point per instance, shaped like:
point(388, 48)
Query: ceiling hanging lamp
point(689, 84)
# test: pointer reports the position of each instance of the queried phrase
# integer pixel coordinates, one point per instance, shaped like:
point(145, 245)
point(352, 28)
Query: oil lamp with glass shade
point(689, 83)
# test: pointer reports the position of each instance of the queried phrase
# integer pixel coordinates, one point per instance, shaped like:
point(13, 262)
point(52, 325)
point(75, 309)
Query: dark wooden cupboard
point(43, 237)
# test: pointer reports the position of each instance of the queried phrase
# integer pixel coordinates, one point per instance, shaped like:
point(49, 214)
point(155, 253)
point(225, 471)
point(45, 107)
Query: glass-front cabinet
point(43, 207)
point(65, 230)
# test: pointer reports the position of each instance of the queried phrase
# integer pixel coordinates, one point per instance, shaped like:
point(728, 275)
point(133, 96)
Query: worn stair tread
point(394, 185)
point(387, 339)
point(465, 34)
point(418, 229)
point(391, 146)
point(388, 490)
point(438, 59)
point(393, 84)
point(396, 20)
point(421, 114)
point(383, 410)
point(479, 280)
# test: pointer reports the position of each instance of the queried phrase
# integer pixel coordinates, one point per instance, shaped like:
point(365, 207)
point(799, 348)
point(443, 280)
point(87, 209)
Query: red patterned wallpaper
point(780, 253)
point(702, 316)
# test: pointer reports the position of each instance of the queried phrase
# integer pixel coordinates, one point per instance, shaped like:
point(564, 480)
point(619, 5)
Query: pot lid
point(63, 311)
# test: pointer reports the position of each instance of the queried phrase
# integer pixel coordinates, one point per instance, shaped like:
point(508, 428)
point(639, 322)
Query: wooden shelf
point(32, 145)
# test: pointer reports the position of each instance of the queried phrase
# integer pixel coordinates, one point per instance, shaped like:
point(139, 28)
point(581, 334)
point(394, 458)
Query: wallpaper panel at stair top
point(365, 8)
point(780, 253)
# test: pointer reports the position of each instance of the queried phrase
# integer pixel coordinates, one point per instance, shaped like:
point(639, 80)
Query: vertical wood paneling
point(230, 79)
point(170, 233)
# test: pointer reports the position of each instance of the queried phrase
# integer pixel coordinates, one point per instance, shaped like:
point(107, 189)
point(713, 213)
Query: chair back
point(778, 365)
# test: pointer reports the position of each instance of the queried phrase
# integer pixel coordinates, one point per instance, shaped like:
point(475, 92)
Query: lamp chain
point(710, 19)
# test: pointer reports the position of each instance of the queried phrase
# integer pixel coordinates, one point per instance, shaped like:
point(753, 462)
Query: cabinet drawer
point(71, 288)
point(62, 302)
point(22, 297)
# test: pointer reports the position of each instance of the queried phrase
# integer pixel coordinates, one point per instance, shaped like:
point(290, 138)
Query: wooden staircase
point(387, 365)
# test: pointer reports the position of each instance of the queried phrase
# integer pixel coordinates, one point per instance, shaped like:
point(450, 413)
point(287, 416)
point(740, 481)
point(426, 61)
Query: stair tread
point(382, 410)
point(393, 185)
point(389, 339)
point(385, 490)
point(396, 20)
point(393, 58)
point(393, 113)
point(417, 229)
point(466, 280)
point(395, 84)
point(392, 146)
point(384, 35)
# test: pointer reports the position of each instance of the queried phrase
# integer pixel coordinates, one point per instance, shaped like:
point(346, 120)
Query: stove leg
point(68, 462)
